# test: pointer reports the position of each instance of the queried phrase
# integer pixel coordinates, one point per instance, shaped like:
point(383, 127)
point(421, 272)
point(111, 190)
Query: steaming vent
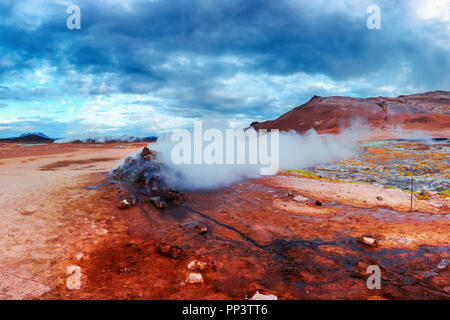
point(143, 177)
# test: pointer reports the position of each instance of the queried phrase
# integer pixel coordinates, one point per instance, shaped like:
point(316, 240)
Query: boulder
point(196, 265)
point(173, 252)
point(194, 278)
point(124, 204)
point(201, 229)
point(160, 204)
point(299, 198)
point(260, 296)
point(368, 241)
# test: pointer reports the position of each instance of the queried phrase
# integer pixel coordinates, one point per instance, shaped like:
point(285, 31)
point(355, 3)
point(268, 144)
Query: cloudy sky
point(141, 67)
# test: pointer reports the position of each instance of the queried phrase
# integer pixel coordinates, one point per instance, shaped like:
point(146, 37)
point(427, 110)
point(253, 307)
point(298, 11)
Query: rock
point(299, 198)
point(368, 241)
point(141, 181)
point(259, 296)
point(175, 195)
point(170, 251)
point(73, 282)
point(124, 204)
point(196, 265)
point(360, 269)
point(158, 202)
point(147, 154)
point(443, 264)
point(194, 278)
point(318, 203)
point(379, 198)
point(29, 209)
point(201, 229)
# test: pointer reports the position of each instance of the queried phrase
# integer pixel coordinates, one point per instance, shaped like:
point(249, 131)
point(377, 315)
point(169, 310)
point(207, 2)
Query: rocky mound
point(426, 111)
point(143, 178)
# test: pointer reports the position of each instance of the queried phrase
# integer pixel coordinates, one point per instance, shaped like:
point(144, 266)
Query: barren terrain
point(293, 236)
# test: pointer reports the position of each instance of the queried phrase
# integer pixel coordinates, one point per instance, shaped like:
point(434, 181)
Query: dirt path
point(35, 229)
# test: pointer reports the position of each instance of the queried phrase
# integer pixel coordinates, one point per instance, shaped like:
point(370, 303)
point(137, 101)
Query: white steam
point(98, 139)
point(417, 135)
point(295, 152)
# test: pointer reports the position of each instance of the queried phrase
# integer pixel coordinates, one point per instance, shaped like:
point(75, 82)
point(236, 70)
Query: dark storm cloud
point(139, 49)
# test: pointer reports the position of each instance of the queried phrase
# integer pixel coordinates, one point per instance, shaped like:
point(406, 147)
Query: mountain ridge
point(429, 111)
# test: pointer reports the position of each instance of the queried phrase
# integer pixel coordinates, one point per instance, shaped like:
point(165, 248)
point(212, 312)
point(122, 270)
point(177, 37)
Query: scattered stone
point(299, 198)
point(259, 296)
point(141, 181)
point(29, 209)
point(175, 195)
point(201, 229)
point(360, 269)
point(158, 202)
point(443, 264)
point(73, 282)
point(124, 204)
point(170, 251)
point(368, 241)
point(194, 278)
point(196, 265)
point(147, 154)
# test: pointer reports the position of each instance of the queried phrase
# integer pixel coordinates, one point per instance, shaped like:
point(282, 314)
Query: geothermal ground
point(296, 235)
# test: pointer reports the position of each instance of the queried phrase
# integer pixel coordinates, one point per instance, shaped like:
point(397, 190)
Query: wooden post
point(412, 191)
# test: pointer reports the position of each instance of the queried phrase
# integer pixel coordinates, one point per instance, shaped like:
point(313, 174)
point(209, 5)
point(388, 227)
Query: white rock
point(260, 296)
point(369, 241)
point(196, 265)
point(73, 282)
point(195, 277)
point(442, 264)
point(299, 198)
point(29, 209)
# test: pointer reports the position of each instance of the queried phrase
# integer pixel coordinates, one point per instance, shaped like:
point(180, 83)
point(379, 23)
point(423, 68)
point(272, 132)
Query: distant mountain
point(428, 111)
point(40, 134)
point(107, 139)
point(29, 138)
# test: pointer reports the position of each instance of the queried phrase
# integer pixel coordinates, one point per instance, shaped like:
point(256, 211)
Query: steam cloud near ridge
point(296, 151)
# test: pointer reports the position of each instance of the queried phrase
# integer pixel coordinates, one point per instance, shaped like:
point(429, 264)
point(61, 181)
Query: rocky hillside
point(425, 111)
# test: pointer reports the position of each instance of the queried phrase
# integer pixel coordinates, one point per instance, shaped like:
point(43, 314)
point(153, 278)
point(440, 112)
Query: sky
point(144, 67)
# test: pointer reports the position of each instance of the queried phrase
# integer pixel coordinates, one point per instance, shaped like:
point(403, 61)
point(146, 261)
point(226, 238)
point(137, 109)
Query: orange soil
point(258, 238)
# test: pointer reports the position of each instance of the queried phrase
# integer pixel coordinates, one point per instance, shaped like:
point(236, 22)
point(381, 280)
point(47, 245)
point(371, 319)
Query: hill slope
point(426, 111)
